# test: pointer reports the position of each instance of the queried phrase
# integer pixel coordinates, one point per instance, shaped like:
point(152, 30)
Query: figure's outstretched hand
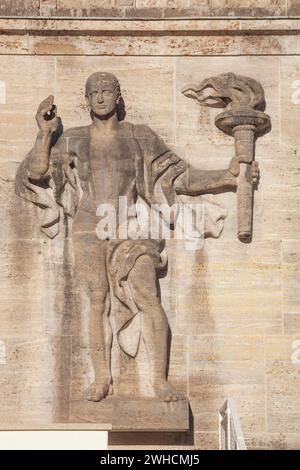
point(46, 116)
point(234, 167)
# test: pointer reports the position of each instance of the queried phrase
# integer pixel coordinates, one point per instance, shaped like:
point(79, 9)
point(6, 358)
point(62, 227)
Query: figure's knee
point(149, 303)
point(143, 271)
point(96, 296)
point(94, 284)
point(90, 266)
point(143, 284)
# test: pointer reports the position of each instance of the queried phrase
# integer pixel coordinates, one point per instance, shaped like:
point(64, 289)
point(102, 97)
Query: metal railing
point(230, 431)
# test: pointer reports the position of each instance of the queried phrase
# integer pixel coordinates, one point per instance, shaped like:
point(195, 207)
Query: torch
point(244, 119)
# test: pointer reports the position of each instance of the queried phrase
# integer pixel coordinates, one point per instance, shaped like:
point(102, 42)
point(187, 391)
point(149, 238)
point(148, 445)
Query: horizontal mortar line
point(138, 18)
point(128, 33)
point(112, 55)
point(12, 336)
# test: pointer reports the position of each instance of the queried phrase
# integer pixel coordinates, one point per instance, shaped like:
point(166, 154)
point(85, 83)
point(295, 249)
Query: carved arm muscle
point(48, 122)
point(38, 159)
point(194, 182)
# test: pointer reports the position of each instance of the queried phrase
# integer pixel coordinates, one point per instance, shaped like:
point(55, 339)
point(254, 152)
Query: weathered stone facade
point(150, 8)
point(233, 308)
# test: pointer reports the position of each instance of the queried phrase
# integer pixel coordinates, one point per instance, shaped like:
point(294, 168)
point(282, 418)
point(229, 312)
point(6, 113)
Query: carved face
point(102, 95)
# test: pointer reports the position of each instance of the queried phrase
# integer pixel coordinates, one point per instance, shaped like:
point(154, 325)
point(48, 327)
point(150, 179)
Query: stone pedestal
point(134, 414)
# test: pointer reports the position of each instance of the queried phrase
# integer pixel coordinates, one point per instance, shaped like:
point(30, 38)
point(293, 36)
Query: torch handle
point(244, 149)
point(245, 203)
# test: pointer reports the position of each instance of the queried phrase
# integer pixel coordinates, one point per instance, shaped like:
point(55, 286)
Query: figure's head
point(103, 95)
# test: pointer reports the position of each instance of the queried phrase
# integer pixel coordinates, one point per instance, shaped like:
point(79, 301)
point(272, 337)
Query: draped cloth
point(57, 194)
point(60, 192)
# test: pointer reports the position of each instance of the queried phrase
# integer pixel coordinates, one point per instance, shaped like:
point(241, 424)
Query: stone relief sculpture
point(98, 165)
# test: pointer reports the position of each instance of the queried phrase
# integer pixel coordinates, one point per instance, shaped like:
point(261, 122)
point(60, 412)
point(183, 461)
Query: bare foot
point(98, 390)
point(167, 392)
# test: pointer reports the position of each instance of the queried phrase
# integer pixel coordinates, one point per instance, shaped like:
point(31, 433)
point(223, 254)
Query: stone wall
point(150, 8)
point(234, 309)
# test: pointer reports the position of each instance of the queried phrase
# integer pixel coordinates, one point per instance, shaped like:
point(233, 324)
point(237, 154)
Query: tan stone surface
point(283, 400)
point(293, 7)
point(22, 310)
point(14, 44)
point(282, 377)
point(91, 8)
point(290, 109)
point(250, 400)
point(28, 386)
point(267, 441)
point(133, 414)
point(47, 7)
point(293, 441)
point(58, 427)
point(291, 323)
point(19, 7)
point(17, 139)
point(223, 305)
point(18, 217)
point(272, 441)
point(291, 269)
point(249, 7)
point(218, 42)
point(194, 25)
point(183, 8)
point(227, 366)
point(76, 4)
point(171, 45)
point(144, 415)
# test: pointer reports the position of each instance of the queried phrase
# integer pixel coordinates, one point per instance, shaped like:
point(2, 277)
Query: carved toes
point(97, 391)
point(167, 392)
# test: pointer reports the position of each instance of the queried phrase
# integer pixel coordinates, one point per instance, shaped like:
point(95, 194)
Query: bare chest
point(112, 167)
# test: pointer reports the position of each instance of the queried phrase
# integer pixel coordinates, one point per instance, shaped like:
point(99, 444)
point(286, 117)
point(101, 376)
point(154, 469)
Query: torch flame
point(228, 90)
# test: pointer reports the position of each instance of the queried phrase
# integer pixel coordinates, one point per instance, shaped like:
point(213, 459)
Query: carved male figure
point(97, 164)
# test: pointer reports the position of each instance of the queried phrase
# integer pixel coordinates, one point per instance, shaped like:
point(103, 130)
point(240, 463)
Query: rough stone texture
point(149, 8)
point(168, 37)
point(20, 8)
point(47, 7)
point(293, 8)
point(133, 414)
point(235, 314)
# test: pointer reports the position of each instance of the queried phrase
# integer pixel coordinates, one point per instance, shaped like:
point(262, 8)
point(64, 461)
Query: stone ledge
point(133, 414)
point(85, 26)
point(118, 37)
point(56, 427)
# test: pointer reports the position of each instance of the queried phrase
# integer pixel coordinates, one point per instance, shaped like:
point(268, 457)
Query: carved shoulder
point(142, 131)
point(150, 143)
point(79, 132)
point(74, 140)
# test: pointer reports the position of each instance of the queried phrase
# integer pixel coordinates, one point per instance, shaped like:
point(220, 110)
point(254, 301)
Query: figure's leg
point(142, 281)
point(92, 277)
point(100, 341)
